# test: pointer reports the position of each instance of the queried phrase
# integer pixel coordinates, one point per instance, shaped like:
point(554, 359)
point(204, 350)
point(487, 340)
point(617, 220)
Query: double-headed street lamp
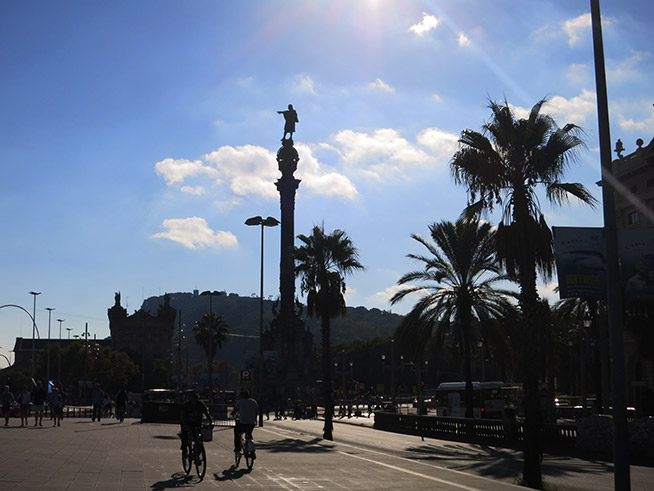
point(267, 222)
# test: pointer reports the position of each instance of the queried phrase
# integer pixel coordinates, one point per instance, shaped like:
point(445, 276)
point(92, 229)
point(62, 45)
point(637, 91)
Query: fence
point(497, 432)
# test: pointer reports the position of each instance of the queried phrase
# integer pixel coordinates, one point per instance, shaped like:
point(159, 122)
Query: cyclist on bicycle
point(191, 418)
point(245, 411)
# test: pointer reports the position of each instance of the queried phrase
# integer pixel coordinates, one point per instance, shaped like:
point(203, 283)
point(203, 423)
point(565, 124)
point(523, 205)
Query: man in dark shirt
point(191, 418)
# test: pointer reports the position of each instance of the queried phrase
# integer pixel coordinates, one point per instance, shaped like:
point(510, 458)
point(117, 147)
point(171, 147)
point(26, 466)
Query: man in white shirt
point(247, 410)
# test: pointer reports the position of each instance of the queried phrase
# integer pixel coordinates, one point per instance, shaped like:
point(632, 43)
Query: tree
point(504, 166)
point(458, 279)
point(211, 333)
point(322, 262)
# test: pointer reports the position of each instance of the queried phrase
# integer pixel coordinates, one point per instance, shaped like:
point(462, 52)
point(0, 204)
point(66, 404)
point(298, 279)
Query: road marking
point(284, 432)
point(407, 471)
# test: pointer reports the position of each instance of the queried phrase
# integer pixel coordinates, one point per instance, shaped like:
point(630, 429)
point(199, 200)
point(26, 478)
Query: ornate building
point(142, 335)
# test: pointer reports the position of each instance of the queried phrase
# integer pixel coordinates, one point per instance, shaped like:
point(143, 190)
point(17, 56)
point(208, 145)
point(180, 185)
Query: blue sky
point(137, 136)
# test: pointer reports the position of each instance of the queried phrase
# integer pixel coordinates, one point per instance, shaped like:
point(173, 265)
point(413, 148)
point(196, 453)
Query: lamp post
point(34, 329)
point(268, 222)
point(59, 370)
point(47, 370)
point(69, 329)
point(211, 294)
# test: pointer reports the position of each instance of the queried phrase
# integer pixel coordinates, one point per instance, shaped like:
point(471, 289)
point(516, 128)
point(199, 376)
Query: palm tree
point(210, 332)
point(503, 166)
point(458, 279)
point(322, 262)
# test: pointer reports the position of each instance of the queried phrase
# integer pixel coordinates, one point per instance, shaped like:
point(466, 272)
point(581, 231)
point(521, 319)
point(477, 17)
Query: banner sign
point(636, 249)
point(580, 255)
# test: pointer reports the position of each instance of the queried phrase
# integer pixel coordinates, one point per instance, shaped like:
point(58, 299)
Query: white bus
point(489, 399)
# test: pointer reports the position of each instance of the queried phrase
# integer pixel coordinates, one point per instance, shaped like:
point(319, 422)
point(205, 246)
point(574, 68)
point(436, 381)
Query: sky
point(136, 137)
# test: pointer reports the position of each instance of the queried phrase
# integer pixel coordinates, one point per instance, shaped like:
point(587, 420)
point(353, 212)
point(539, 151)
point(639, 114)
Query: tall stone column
point(287, 159)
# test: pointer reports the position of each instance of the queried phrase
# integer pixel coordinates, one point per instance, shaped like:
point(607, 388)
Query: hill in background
point(242, 316)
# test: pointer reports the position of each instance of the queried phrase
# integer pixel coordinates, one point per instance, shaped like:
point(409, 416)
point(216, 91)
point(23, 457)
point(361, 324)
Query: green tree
point(504, 166)
point(458, 282)
point(322, 262)
point(211, 333)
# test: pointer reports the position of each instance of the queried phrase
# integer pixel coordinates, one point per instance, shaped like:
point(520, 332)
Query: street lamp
point(59, 370)
point(70, 329)
point(47, 371)
point(268, 222)
point(34, 329)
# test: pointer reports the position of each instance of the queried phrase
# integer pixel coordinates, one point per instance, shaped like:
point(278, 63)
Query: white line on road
point(425, 476)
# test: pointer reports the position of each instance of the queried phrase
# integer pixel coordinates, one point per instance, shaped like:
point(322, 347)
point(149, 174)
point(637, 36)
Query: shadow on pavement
point(501, 463)
point(231, 474)
point(177, 480)
point(293, 445)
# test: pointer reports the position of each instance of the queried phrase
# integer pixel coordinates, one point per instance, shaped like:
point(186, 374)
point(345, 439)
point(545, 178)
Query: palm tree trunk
point(529, 302)
point(467, 368)
point(327, 378)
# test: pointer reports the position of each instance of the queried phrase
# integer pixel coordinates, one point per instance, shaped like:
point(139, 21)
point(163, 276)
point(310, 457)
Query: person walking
point(38, 403)
point(97, 399)
point(6, 398)
point(24, 399)
point(56, 407)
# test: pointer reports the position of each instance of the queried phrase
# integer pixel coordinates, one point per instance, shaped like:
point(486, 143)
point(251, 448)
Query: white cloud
point(463, 40)
point(642, 125)
point(250, 169)
point(441, 143)
point(627, 69)
point(304, 83)
point(195, 233)
point(196, 190)
point(427, 23)
point(576, 28)
point(574, 110)
point(436, 98)
point(379, 84)
point(382, 151)
point(176, 171)
point(320, 181)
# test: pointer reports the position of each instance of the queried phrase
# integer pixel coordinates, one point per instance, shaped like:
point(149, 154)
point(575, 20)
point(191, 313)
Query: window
point(650, 182)
point(632, 218)
point(634, 189)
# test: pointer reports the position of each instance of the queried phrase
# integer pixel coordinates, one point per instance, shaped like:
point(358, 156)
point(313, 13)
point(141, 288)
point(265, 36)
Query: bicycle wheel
point(200, 460)
point(187, 461)
point(249, 457)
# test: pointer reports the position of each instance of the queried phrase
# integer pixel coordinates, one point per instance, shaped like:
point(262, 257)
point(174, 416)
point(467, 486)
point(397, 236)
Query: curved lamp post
point(267, 222)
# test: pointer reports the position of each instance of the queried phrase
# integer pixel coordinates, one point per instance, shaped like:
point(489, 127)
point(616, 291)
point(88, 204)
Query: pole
point(34, 332)
point(260, 377)
point(620, 431)
point(47, 371)
point(60, 350)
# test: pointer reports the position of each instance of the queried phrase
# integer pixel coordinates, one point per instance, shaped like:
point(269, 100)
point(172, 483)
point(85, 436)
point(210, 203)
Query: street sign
point(246, 377)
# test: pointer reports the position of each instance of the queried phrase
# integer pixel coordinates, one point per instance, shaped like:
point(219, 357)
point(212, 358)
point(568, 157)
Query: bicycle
point(196, 454)
point(247, 450)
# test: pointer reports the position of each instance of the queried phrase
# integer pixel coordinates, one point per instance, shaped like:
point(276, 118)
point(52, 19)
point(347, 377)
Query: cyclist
point(246, 411)
point(191, 419)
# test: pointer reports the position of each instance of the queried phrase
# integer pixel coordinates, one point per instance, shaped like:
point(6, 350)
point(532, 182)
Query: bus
point(489, 399)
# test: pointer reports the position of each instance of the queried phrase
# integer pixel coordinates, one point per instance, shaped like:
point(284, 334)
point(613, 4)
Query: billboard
point(580, 262)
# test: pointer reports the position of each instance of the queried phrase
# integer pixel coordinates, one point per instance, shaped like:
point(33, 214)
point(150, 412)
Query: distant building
point(142, 335)
point(23, 348)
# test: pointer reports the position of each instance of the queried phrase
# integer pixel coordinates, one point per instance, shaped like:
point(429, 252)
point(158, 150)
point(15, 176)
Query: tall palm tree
point(210, 332)
point(458, 279)
point(322, 261)
point(504, 166)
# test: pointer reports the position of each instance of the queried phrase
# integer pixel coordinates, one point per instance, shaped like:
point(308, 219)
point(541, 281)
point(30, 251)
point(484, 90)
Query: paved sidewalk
point(85, 455)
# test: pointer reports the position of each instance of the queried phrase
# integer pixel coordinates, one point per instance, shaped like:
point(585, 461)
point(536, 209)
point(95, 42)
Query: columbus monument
point(290, 372)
